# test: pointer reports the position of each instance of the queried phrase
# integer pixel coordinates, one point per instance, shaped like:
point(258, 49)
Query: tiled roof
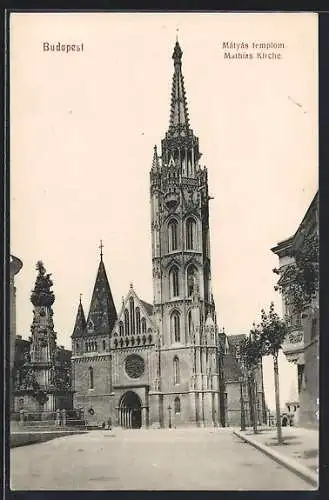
point(80, 323)
point(148, 307)
point(232, 371)
point(231, 367)
point(102, 312)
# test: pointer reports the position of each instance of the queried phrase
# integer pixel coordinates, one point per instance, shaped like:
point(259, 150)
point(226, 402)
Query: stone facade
point(160, 364)
point(302, 343)
point(234, 379)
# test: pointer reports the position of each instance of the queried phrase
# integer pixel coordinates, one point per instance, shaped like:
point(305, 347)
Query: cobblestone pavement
point(180, 459)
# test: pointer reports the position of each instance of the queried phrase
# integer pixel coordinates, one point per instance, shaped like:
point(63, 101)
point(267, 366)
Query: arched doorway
point(130, 411)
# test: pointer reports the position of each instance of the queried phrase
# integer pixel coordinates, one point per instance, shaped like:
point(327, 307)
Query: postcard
point(162, 166)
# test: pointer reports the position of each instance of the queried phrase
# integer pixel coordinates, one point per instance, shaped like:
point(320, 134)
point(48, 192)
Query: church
point(162, 364)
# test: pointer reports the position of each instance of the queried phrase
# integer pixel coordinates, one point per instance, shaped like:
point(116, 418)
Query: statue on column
point(193, 286)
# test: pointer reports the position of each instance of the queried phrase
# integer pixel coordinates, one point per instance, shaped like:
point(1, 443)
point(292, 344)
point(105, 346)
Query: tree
point(272, 332)
point(249, 353)
point(299, 281)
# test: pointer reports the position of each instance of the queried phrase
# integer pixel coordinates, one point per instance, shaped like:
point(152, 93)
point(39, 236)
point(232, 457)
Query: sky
point(82, 130)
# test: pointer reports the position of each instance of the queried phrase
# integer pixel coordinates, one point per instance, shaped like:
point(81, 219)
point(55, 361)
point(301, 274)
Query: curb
point(289, 463)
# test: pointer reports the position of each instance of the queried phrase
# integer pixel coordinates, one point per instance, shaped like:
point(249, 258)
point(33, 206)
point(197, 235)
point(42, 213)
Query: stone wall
point(309, 385)
point(233, 409)
point(96, 400)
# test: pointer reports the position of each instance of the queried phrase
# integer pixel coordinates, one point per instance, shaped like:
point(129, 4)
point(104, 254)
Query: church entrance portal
point(130, 411)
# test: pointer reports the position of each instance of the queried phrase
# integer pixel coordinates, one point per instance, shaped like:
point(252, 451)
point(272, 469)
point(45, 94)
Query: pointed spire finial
point(131, 286)
point(101, 246)
point(177, 54)
point(80, 298)
point(177, 30)
point(155, 161)
point(179, 118)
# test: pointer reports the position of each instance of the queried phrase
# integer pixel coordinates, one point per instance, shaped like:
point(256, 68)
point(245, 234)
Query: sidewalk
point(299, 452)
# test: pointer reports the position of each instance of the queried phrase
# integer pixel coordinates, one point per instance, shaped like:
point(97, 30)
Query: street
point(180, 459)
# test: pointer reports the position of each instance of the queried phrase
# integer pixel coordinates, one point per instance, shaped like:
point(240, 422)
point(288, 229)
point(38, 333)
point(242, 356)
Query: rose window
point(134, 366)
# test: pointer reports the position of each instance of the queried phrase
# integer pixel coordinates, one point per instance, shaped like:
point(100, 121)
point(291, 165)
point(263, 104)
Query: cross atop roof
point(101, 246)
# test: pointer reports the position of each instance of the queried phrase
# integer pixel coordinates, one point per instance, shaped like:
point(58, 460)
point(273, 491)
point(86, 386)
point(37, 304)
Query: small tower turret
point(80, 329)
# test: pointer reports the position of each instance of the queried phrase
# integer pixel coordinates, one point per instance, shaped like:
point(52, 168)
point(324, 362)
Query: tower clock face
point(134, 366)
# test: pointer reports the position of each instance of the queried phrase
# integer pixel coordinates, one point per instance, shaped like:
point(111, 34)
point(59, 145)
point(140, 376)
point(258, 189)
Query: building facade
point(239, 389)
point(302, 343)
point(160, 364)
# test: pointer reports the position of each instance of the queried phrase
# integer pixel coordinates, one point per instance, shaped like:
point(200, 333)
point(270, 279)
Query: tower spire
point(155, 161)
point(101, 246)
point(79, 329)
point(179, 118)
point(102, 312)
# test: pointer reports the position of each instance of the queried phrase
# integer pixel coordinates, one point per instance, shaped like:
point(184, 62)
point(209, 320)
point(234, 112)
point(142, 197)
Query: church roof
point(179, 118)
point(80, 323)
point(102, 312)
point(232, 371)
point(148, 307)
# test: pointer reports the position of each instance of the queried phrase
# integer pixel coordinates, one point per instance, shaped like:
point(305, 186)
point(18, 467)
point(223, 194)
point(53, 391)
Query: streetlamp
point(169, 410)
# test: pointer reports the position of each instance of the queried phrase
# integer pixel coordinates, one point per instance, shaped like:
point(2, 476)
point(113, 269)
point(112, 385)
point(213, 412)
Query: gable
point(135, 317)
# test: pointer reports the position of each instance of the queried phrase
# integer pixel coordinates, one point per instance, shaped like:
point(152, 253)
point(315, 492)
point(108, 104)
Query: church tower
point(91, 360)
point(184, 309)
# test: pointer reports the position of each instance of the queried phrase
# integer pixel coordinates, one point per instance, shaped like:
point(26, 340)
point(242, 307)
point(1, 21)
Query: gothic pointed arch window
point(174, 282)
point(91, 377)
point(191, 279)
point(189, 322)
point(175, 326)
point(121, 329)
point(207, 280)
point(177, 405)
point(132, 315)
point(172, 235)
point(126, 322)
point(138, 321)
point(143, 325)
point(190, 234)
point(176, 370)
